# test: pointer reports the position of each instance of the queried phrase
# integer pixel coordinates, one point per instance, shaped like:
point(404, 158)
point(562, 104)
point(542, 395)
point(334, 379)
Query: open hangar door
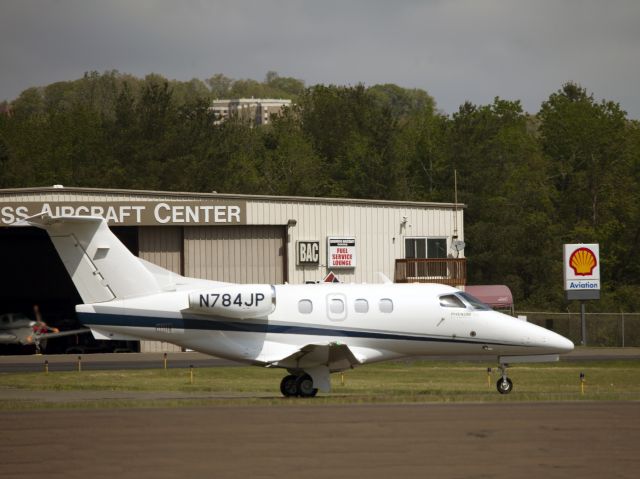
point(33, 274)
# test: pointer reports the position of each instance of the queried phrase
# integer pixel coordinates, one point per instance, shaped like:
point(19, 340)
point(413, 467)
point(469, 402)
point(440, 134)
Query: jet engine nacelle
point(237, 301)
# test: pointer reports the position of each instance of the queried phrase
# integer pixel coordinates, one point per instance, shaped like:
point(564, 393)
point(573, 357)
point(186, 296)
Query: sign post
point(582, 277)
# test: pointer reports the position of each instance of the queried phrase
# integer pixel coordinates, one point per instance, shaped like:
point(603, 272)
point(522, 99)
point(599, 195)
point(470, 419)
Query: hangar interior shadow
point(32, 273)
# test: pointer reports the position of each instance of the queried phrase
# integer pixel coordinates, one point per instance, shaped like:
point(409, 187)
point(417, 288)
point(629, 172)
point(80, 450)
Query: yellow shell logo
point(583, 261)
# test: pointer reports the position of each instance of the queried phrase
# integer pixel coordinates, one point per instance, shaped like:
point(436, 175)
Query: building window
point(361, 306)
point(386, 305)
point(425, 247)
point(305, 306)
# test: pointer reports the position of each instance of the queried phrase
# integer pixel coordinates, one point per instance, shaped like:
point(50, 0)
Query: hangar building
point(228, 237)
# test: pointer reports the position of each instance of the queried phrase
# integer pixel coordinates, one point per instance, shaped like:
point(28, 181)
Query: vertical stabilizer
point(101, 267)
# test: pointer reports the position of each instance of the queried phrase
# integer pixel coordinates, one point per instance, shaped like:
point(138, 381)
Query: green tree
point(220, 85)
point(590, 150)
point(353, 135)
point(585, 142)
point(501, 179)
point(291, 166)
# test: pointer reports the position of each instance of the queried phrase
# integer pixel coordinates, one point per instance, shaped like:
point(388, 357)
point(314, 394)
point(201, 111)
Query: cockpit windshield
point(474, 302)
point(451, 301)
point(462, 300)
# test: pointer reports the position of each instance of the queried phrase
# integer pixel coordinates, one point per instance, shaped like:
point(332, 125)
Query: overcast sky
point(456, 50)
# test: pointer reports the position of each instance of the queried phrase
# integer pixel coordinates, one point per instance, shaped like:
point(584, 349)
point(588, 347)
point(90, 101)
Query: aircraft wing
point(334, 356)
point(317, 360)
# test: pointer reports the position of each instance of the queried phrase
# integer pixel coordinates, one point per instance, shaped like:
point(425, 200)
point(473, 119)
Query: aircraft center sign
point(143, 213)
point(582, 271)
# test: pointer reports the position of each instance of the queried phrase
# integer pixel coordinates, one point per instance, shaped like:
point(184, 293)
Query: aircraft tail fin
point(101, 267)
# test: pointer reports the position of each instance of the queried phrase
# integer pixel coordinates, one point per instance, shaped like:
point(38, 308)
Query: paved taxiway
point(551, 440)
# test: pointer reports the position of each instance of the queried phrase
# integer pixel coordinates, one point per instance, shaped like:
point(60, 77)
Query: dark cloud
point(457, 50)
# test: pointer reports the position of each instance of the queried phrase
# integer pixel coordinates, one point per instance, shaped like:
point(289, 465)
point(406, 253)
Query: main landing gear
point(504, 384)
point(298, 385)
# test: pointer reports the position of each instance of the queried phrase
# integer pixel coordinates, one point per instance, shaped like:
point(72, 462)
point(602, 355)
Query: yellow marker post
point(342, 379)
point(164, 360)
point(488, 377)
point(582, 381)
point(79, 363)
point(191, 374)
point(46, 366)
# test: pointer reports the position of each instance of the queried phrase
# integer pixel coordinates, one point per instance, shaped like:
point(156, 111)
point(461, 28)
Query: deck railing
point(451, 271)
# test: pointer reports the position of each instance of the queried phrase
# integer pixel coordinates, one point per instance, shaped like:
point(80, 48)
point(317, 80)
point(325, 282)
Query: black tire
point(304, 386)
point(288, 386)
point(504, 386)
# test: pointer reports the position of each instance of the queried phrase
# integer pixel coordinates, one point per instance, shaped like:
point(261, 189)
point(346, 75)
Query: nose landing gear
point(504, 384)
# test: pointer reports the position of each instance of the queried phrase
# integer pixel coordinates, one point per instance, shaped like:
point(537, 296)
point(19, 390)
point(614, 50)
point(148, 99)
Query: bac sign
point(309, 252)
point(582, 271)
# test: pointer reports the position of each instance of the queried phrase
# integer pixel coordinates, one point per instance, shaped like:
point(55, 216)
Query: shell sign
point(582, 271)
point(583, 261)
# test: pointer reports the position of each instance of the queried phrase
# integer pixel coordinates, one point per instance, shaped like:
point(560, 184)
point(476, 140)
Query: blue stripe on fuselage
point(101, 319)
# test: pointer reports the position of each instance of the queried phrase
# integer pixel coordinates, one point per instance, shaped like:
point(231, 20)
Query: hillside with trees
point(531, 182)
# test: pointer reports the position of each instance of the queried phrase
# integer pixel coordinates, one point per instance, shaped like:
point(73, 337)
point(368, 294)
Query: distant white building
point(258, 110)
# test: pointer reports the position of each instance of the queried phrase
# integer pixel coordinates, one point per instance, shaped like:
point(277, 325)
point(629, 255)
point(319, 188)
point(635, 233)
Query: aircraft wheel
point(304, 386)
point(288, 386)
point(504, 385)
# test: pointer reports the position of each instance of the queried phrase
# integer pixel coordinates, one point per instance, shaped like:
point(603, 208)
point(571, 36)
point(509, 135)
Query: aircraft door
point(454, 314)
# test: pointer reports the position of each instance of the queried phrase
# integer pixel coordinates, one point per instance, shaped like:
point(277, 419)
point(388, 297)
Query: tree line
point(531, 182)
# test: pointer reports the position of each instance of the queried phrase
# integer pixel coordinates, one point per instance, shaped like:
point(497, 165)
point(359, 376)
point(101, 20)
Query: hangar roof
point(191, 195)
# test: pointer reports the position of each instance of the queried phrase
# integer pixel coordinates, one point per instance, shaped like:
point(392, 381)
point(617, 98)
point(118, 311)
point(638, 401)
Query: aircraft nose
point(559, 343)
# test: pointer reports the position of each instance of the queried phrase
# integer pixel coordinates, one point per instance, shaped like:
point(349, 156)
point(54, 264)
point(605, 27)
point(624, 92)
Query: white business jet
point(309, 330)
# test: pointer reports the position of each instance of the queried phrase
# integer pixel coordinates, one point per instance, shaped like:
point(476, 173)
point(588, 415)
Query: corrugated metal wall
point(238, 254)
point(161, 245)
point(378, 228)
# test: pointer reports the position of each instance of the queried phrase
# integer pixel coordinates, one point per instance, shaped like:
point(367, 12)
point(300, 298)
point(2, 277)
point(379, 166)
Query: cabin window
point(305, 306)
point(386, 305)
point(361, 306)
point(451, 301)
point(336, 306)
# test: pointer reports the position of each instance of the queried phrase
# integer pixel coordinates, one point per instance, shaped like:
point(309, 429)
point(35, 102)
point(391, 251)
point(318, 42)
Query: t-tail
point(101, 267)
